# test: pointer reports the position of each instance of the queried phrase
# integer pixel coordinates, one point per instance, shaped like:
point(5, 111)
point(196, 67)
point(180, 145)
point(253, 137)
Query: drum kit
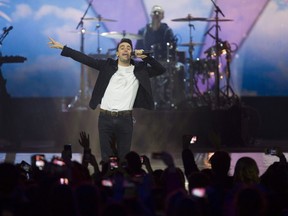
point(180, 83)
point(184, 76)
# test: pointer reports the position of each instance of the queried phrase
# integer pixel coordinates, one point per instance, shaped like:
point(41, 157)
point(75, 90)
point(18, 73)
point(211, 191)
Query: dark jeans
point(119, 128)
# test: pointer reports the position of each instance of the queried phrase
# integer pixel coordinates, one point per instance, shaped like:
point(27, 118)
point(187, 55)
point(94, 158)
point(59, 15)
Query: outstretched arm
point(74, 54)
point(55, 44)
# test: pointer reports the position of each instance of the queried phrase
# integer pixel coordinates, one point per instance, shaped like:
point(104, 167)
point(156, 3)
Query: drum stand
point(164, 85)
point(217, 40)
point(192, 80)
point(99, 49)
point(228, 88)
point(80, 100)
point(228, 93)
point(219, 47)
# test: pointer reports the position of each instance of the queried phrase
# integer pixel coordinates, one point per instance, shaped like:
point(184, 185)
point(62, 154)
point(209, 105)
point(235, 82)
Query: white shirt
point(121, 91)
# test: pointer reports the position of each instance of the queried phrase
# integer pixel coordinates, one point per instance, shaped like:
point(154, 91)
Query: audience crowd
point(132, 187)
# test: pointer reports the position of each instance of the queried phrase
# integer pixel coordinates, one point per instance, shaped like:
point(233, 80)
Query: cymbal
point(191, 44)
point(120, 35)
point(99, 19)
point(219, 20)
point(189, 18)
point(84, 32)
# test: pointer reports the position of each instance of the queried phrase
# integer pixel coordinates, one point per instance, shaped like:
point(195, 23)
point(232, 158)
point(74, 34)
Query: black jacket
point(108, 67)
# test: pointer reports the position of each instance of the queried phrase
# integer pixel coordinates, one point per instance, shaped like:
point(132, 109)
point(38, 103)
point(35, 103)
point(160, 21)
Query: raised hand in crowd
point(88, 157)
point(84, 140)
point(189, 162)
point(66, 154)
point(168, 159)
point(277, 152)
point(146, 163)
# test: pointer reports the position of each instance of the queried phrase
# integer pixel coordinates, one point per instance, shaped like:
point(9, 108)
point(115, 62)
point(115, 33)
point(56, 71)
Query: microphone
point(6, 30)
point(143, 53)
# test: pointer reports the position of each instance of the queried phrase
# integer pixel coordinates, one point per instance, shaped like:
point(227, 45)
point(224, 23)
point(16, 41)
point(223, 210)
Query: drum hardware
point(190, 82)
point(169, 88)
point(223, 48)
point(218, 20)
point(99, 18)
point(168, 46)
point(217, 50)
point(160, 91)
point(194, 90)
point(4, 95)
point(212, 54)
point(82, 31)
point(203, 70)
point(177, 84)
point(228, 71)
point(189, 18)
point(120, 35)
point(170, 52)
point(204, 66)
point(191, 44)
point(180, 56)
point(79, 102)
point(157, 51)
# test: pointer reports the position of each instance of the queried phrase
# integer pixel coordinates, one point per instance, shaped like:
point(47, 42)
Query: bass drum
point(169, 88)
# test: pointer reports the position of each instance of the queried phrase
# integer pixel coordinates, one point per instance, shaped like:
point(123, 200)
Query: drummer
point(158, 37)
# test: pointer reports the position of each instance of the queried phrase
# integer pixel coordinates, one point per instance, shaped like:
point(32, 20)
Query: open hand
point(84, 140)
point(55, 44)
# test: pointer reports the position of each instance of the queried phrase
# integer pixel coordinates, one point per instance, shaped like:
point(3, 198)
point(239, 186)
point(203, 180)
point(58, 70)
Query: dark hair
point(125, 40)
point(220, 162)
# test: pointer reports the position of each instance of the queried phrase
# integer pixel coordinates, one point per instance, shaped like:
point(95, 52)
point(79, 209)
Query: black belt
point(116, 113)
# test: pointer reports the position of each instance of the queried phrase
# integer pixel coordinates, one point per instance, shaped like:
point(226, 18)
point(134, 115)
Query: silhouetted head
point(134, 164)
point(246, 171)
point(9, 178)
point(220, 162)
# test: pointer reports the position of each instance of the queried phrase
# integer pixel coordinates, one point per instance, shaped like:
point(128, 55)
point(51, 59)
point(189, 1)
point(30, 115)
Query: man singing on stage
point(122, 84)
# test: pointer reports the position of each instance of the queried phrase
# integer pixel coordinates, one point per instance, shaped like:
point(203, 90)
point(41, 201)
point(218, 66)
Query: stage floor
point(41, 126)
